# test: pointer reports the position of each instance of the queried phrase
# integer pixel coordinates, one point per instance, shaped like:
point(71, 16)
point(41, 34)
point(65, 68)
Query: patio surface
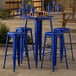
point(60, 69)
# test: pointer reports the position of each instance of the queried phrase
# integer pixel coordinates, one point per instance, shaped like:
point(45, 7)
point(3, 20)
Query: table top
point(42, 18)
point(65, 13)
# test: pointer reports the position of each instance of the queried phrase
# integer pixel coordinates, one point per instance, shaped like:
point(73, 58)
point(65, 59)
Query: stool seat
point(53, 33)
point(23, 28)
point(49, 6)
point(15, 33)
point(62, 29)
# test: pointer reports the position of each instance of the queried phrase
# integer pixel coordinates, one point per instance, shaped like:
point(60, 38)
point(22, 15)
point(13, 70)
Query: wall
point(2, 4)
point(68, 4)
point(38, 4)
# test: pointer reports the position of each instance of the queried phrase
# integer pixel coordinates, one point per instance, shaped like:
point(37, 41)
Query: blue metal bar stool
point(52, 3)
point(21, 29)
point(22, 11)
point(17, 45)
point(66, 30)
point(58, 8)
point(48, 8)
point(25, 10)
point(54, 36)
point(32, 10)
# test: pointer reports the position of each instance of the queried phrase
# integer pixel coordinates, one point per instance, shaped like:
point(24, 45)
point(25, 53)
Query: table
point(25, 9)
point(66, 20)
point(38, 33)
point(53, 6)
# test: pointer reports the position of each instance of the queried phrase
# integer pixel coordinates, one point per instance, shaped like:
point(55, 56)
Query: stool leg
point(58, 10)
point(50, 54)
point(71, 46)
point(36, 41)
point(55, 49)
point(65, 53)
point(17, 12)
point(61, 49)
point(53, 52)
point(48, 10)
point(40, 38)
point(14, 53)
point(21, 48)
point(32, 40)
point(43, 52)
point(26, 48)
point(51, 9)
point(51, 25)
point(5, 52)
point(18, 50)
point(20, 13)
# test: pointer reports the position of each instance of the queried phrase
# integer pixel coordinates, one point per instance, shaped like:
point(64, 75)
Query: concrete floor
point(60, 69)
point(23, 70)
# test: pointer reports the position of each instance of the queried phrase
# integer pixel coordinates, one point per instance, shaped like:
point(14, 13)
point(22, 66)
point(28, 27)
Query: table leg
point(14, 53)
point(25, 31)
point(36, 42)
point(61, 49)
point(25, 24)
point(48, 10)
point(18, 49)
point(55, 49)
point(53, 52)
point(63, 24)
point(26, 48)
point(40, 38)
point(51, 24)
